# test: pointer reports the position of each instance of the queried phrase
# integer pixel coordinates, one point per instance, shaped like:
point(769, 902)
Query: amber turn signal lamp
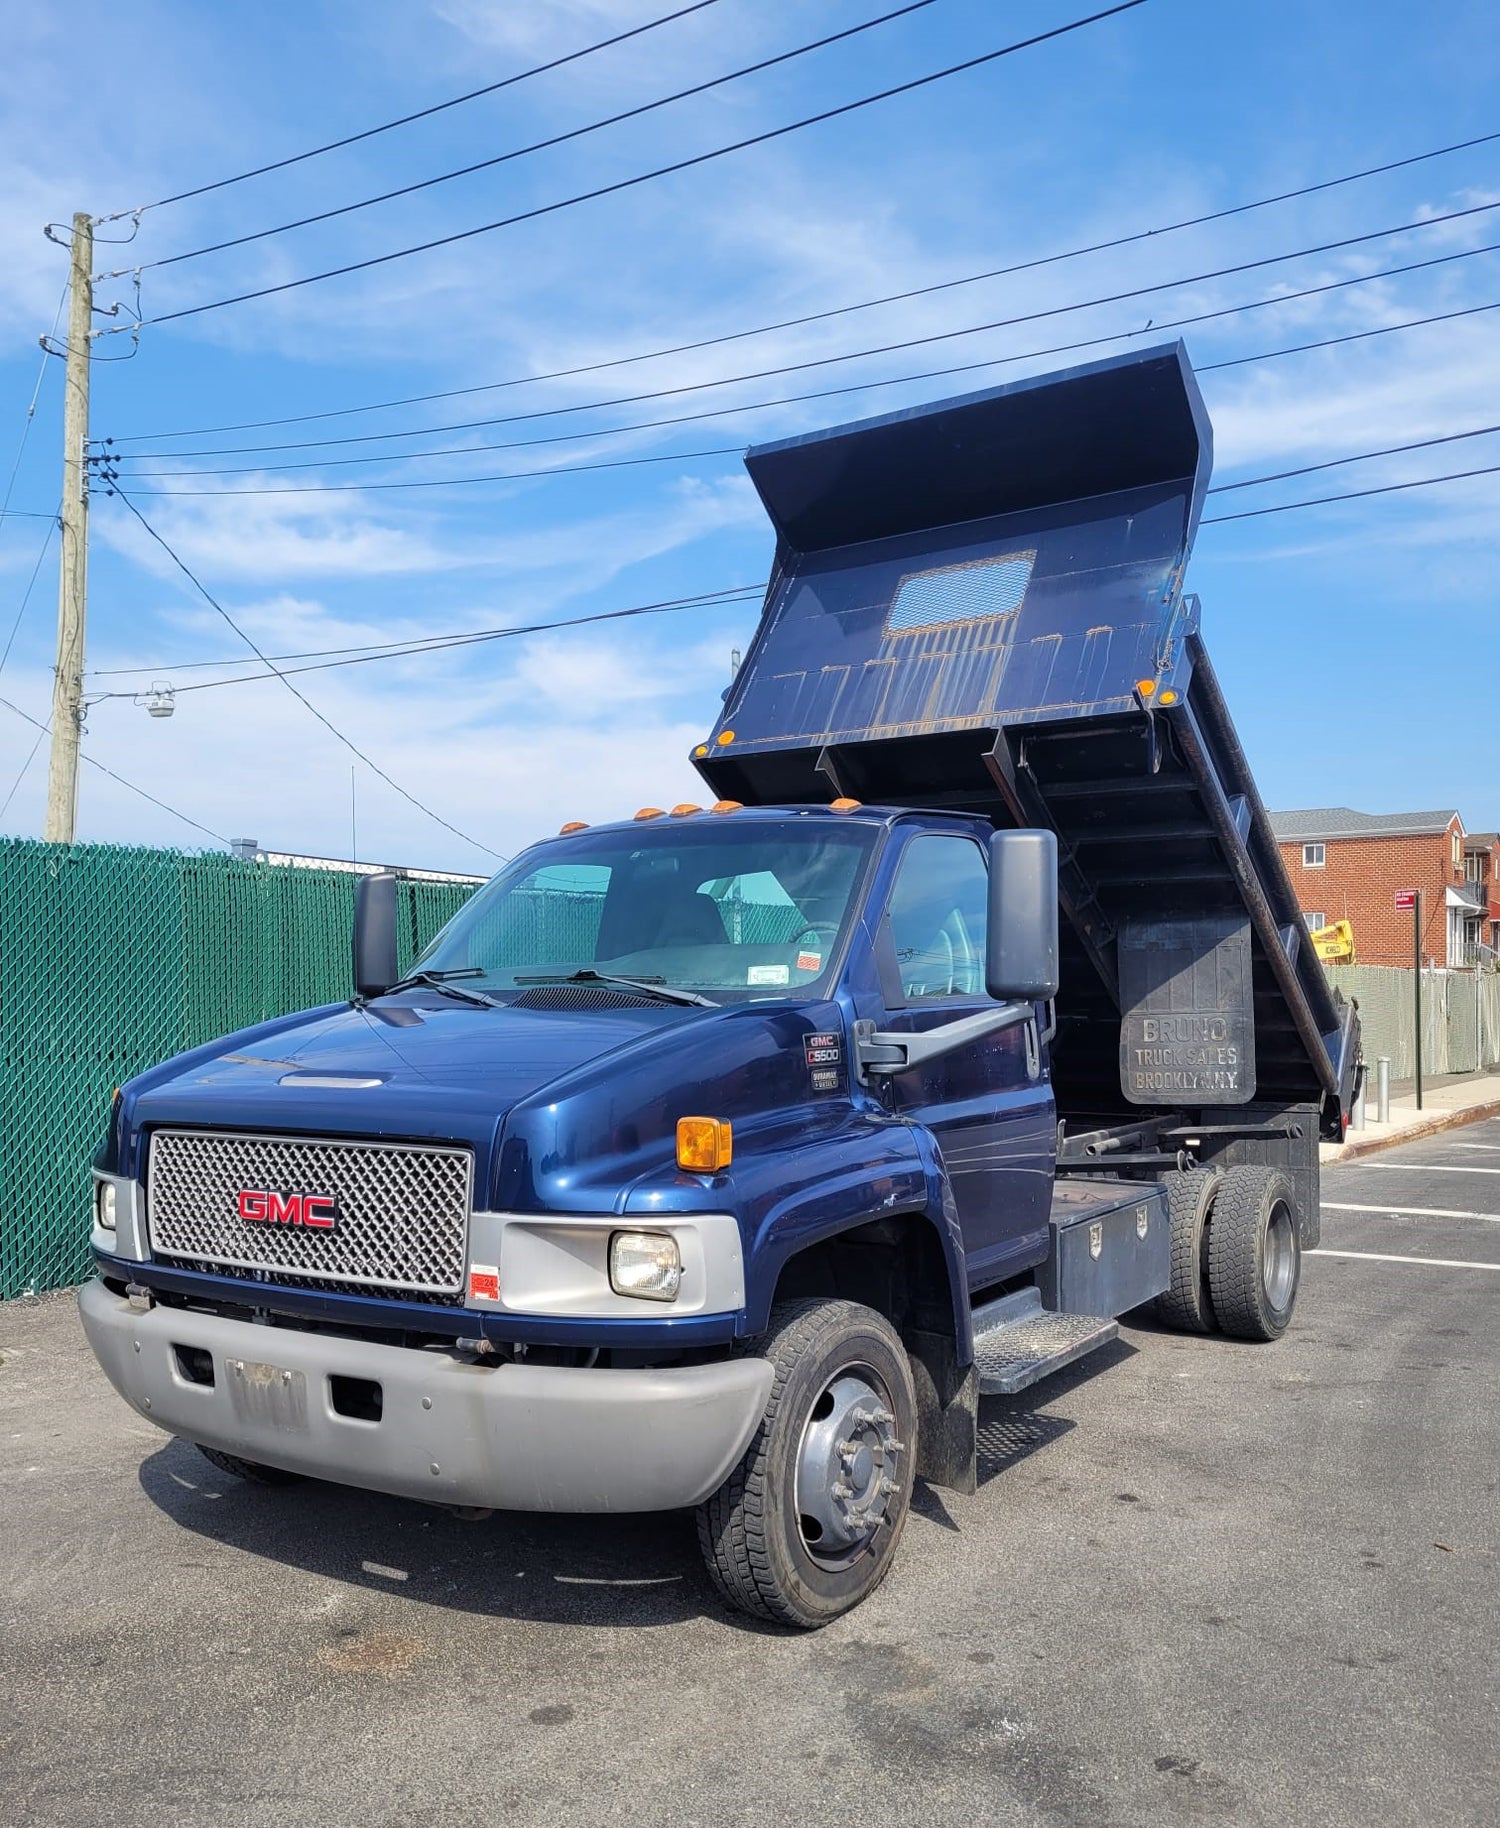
point(572, 826)
point(728, 806)
point(704, 1144)
point(649, 812)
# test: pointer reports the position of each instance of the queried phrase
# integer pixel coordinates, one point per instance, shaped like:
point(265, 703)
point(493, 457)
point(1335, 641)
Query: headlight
point(104, 1205)
point(646, 1264)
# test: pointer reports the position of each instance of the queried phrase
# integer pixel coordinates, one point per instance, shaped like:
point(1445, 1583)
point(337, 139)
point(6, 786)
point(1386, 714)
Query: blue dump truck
point(725, 1157)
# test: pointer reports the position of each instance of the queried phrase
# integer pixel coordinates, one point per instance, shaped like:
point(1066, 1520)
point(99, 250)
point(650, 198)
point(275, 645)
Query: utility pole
point(72, 594)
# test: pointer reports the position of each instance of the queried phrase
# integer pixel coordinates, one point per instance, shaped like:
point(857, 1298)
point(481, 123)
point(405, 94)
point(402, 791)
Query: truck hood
point(423, 1067)
point(565, 1109)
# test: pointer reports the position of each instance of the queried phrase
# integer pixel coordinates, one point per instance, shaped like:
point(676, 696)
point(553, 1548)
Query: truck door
point(988, 1104)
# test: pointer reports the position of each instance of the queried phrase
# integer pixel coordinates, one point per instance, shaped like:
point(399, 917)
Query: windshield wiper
point(649, 986)
point(442, 981)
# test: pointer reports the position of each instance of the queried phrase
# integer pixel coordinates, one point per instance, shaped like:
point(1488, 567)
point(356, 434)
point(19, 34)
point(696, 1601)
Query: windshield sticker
point(809, 961)
point(768, 974)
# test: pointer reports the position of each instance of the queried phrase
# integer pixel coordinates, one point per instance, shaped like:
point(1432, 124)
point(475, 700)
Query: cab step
point(1017, 1341)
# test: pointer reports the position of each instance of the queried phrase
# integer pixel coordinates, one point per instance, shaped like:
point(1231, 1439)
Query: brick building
point(1348, 865)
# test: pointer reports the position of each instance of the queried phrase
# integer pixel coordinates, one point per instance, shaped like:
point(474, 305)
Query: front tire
point(807, 1524)
point(1254, 1254)
point(250, 1470)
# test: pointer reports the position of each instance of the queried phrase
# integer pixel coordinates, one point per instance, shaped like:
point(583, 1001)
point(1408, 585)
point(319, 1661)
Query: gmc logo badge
point(260, 1206)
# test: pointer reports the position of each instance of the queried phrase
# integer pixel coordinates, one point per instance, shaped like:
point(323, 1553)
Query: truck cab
point(722, 1157)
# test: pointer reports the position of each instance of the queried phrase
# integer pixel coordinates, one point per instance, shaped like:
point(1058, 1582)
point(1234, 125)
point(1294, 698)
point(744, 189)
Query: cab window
point(938, 917)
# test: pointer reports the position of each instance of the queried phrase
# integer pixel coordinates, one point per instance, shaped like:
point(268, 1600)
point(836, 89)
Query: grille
point(402, 1208)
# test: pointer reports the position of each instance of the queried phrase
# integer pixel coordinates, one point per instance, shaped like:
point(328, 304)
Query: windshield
point(749, 909)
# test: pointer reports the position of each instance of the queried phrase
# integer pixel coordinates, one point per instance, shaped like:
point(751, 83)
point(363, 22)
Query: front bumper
point(511, 1436)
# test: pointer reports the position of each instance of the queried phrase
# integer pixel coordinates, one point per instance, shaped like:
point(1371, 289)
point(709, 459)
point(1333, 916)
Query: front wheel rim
point(848, 1461)
point(1279, 1259)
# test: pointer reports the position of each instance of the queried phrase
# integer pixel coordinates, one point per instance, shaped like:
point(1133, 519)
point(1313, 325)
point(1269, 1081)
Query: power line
point(249, 642)
point(422, 114)
point(751, 594)
point(1318, 501)
point(812, 317)
point(1333, 463)
point(108, 466)
point(660, 171)
point(93, 762)
point(323, 660)
point(458, 482)
point(26, 594)
point(729, 594)
point(42, 735)
point(107, 470)
point(556, 139)
point(915, 342)
point(36, 394)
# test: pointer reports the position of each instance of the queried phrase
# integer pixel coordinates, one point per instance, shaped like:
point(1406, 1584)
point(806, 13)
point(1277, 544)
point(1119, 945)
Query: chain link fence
point(1460, 1018)
point(112, 959)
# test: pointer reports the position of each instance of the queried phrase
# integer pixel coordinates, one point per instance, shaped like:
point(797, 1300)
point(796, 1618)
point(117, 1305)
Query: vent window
point(960, 593)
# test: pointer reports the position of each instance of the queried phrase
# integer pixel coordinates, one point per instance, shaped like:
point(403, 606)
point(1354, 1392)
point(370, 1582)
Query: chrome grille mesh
point(403, 1208)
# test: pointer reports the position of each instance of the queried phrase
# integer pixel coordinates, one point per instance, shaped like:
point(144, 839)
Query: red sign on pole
point(1406, 900)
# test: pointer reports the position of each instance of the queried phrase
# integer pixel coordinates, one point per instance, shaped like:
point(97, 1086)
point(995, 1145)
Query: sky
point(1358, 642)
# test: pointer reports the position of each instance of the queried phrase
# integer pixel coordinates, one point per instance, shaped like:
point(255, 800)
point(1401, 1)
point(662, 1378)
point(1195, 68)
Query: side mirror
point(1021, 950)
point(375, 968)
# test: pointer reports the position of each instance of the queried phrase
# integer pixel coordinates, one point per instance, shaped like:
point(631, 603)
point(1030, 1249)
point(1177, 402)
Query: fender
point(869, 1169)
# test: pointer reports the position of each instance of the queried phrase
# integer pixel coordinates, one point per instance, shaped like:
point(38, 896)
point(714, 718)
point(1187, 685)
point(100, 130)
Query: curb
point(1414, 1132)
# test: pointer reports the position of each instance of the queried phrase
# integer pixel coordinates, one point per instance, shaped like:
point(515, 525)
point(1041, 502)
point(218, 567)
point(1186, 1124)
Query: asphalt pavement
point(1200, 1582)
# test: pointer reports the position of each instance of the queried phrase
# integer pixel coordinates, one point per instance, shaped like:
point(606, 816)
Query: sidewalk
point(1444, 1107)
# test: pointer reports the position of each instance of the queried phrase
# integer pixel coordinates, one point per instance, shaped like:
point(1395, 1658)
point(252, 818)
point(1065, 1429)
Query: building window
point(1458, 849)
point(1312, 856)
point(1314, 921)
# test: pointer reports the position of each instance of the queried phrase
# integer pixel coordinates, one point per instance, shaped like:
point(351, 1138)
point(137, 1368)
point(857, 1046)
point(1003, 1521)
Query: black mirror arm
point(880, 1051)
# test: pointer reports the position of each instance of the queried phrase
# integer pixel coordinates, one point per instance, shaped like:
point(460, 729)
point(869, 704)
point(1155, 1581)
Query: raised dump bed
point(979, 604)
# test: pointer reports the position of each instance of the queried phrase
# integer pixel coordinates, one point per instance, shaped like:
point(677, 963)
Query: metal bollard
point(1383, 1088)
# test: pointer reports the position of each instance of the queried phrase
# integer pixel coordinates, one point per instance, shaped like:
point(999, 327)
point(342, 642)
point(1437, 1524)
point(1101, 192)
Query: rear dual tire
point(1236, 1253)
point(1254, 1254)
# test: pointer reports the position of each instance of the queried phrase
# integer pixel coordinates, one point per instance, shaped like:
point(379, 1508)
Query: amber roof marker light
point(845, 805)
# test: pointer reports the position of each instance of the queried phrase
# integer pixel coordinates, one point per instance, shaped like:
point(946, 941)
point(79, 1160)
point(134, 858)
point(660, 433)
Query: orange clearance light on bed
point(704, 1144)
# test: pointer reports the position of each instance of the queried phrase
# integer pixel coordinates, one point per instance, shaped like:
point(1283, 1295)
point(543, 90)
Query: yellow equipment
point(1334, 944)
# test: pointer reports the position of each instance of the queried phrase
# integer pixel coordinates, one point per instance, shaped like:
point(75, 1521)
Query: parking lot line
point(1412, 1212)
point(1375, 1256)
point(1489, 1148)
point(1429, 1167)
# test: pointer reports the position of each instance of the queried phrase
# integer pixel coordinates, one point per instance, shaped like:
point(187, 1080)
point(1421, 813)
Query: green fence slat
point(115, 958)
